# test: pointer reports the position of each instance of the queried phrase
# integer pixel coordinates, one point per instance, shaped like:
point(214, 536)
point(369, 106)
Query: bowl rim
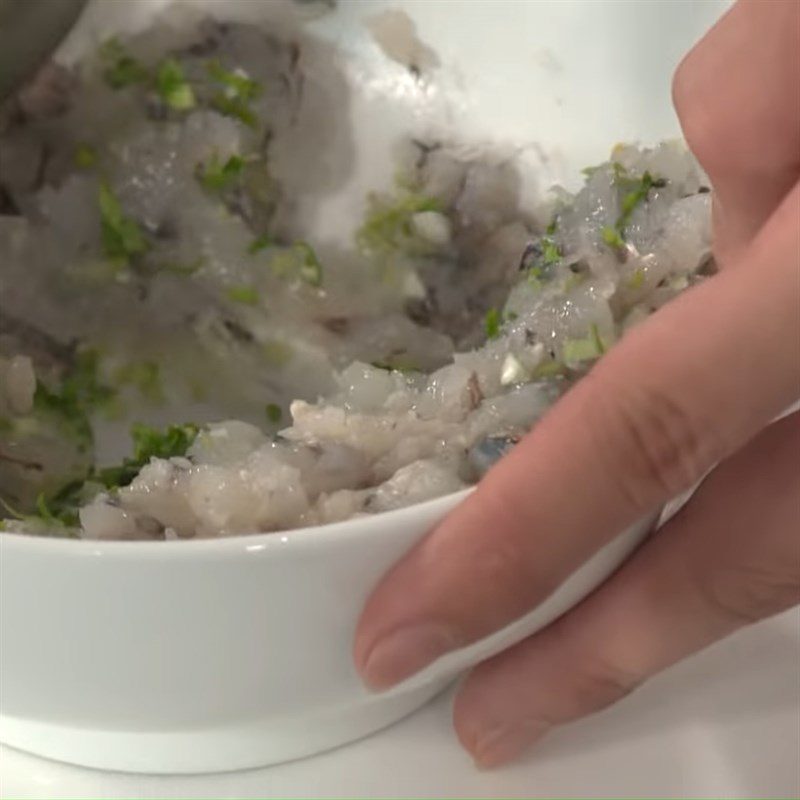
point(315, 536)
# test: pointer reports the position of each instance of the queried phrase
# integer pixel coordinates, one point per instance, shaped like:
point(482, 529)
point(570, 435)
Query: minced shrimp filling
point(156, 269)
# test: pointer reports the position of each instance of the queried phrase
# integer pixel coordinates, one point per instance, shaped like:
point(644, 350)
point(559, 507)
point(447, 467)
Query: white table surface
point(726, 723)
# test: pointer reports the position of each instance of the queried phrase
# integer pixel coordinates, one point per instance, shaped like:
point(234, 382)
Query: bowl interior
point(537, 77)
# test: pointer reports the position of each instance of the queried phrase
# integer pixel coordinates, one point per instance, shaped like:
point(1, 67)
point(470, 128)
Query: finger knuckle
point(745, 593)
point(599, 684)
point(660, 447)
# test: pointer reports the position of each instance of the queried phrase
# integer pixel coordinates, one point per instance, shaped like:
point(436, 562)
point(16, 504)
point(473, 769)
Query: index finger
point(670, 400)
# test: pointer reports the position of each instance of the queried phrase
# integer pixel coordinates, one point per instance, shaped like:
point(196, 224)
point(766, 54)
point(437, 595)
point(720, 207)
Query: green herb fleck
point(636, 281)
point(598, 342)
point(310, 268)
point(234, 80)
point(551, 254)
point(81, 392)
point(145, 376)
point(620, 171)
point(260, 243)
point(298, 260)
point(535, 277)
point(612, 237)
point(548, 369)
point(539, 257)
point(85, 156)
point(636, 196)
point(237, 94)
point(397, 363)
point(552, 227)
point(122, 237)
point(182, 269)
point(60, 509)
point(246, 295)
point(53, 517)
point(172, 86)
point(121, 69)
point(637, 192)
point(387, 226)
point(274, 413)
point(217, 176)
point(147, 443)
point(578, 350)
point(67, 515)
point(234, 107)
point(491, 323)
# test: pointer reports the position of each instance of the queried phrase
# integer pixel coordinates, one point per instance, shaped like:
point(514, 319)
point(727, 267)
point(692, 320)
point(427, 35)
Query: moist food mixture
point(157, 266)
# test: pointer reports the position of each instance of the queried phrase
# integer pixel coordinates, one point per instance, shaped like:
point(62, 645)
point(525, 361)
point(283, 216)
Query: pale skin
point(698, 385)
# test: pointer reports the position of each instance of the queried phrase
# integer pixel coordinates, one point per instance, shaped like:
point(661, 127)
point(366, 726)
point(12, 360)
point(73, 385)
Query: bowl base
point(247, 745)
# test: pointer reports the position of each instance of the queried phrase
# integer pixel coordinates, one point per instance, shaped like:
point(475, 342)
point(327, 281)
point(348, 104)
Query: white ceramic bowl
point(219, 655)
point(213, 655)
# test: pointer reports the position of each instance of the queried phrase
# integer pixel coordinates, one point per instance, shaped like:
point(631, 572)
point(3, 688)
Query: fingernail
point(504, 743)
point(400, 654)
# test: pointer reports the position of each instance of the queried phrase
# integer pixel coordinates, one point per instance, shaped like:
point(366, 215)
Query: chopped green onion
point(172, 86)
point(260, 243)
point(147, 443)
point(615, 237)
point(578, 350)
point(548, 369)
point(551, 254)
point(183, 269)
point(310, 268)
point(121, 68)
point(397, 363)
point(387, 227)
point(238, 92)
point(535, 277)
point(85, 156)
point(234, 107)
point(636, 281)
point(636, 196)
point(620, 171)
point(274, 412)
point(491, 323)
point(122, 237)
point(236, 81)
point(612, 237)
point(595, 334)
point(145, 376)
point(246, 295)
point(216, 175)
point(80, 393)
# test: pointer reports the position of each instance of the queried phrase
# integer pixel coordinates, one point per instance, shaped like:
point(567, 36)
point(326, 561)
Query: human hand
point(696, 385)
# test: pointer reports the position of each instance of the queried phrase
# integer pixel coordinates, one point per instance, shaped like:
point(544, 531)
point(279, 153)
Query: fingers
point(737, 97)
point(731, 557)
point(672, 399)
